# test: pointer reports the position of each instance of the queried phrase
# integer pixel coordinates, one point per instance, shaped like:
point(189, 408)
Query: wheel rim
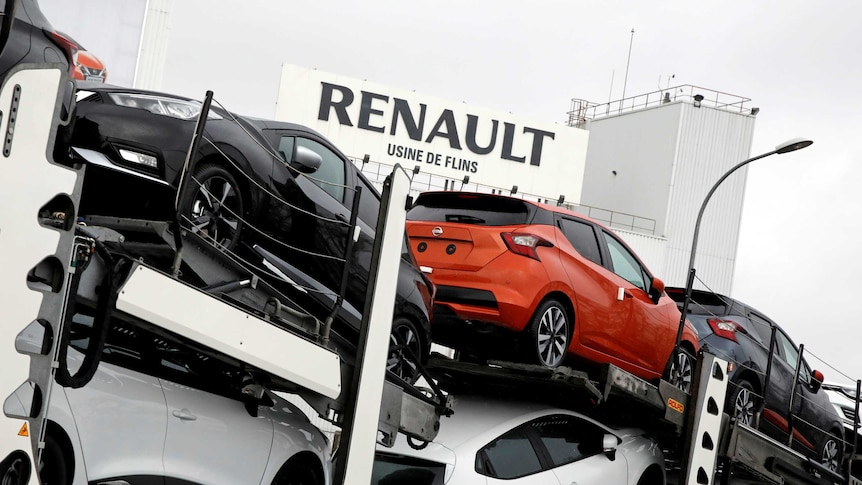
point(400, 362)
point(552, 336)
point(830, 455)
point(681, 373)
point(744, 406)
point(215, 210)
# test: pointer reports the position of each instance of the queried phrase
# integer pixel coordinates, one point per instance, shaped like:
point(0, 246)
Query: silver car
point(489, 441)
point(155, 409)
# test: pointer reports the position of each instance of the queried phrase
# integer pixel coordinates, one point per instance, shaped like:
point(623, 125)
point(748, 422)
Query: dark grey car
point(742, 335)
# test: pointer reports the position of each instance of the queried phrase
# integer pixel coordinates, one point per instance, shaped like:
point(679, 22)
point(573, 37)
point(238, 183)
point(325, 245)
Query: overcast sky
point(797, 61)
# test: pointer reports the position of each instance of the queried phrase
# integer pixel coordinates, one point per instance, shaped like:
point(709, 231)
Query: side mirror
point(305, 160)
point(609, 446)
point(656, 289)
point(816, 380)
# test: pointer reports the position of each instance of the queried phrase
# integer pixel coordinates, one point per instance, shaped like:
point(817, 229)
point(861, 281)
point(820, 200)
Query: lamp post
point(786, 147)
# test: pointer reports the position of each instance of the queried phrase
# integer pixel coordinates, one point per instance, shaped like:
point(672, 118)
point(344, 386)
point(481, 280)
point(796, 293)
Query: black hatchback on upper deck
point(277, 194)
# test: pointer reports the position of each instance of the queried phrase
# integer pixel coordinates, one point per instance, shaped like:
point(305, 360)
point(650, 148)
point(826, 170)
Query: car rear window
point(392, 469)
point(481, 209)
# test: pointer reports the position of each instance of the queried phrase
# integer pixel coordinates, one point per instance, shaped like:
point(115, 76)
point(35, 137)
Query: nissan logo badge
point(437, 231)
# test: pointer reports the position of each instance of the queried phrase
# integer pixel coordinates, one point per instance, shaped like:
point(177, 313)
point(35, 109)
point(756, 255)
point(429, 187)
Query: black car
point(736, 332)
point(31, 39)
point(277, 194)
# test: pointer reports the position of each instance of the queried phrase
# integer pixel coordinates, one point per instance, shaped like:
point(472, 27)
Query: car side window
point(285, 148)
point(568, 438)
point(625, 265)
point(789, 352)
point(762, 329)
point(330, 176)
point(509, 456)
point(369, 204)
point(583, 239)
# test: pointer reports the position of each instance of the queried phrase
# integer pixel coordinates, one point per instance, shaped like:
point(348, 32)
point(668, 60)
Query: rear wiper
point(464, 219)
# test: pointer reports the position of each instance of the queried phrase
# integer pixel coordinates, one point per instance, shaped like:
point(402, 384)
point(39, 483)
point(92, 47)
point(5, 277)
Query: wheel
point(831, 452)
point(52, 464)
point(15, 469)
point(215, 206)
point(743, 403)
point(549, 334)
point(402, 362)
point(298, 472)
point(681, 370)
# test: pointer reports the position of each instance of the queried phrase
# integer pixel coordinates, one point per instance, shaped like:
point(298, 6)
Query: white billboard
point(442, 137)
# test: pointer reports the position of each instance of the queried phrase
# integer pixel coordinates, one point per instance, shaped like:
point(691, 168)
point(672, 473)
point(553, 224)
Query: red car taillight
point(68, 45)
point(525, 244)
point(725, 328)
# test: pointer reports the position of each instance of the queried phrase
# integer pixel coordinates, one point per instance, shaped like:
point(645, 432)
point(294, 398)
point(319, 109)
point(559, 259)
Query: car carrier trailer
point(49, 262)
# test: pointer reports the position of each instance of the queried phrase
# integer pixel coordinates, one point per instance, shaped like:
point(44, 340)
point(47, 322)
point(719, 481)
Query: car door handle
point(623, 293)
point(184, 414)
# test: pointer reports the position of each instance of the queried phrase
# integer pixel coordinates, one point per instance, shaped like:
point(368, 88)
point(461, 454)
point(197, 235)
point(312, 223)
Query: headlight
point(161, 105)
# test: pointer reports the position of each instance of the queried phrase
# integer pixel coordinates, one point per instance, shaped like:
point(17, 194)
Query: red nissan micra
point(545, 283)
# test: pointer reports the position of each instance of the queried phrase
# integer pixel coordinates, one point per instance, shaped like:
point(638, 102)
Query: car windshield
point(391, 469)
point(477, 209)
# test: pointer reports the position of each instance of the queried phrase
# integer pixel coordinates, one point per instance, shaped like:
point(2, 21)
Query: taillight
point(68, 45)
point(725, 328)
point(525, 244)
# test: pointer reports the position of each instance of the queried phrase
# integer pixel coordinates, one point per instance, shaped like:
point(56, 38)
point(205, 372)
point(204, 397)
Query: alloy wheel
point(215, 210)
point(14, 473)
point(681, 371)
point(552, 336)
point(744, 406)
point(400, 361)
point(831, 455)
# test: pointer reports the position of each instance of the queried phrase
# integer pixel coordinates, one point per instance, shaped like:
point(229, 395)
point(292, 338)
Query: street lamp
point(786, 147)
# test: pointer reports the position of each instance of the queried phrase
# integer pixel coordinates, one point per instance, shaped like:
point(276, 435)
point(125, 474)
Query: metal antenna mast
point(625, 81)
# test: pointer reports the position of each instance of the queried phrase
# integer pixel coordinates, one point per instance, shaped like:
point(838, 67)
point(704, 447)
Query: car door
point(120, 413)
point(775, 413)
point(512, 459)
point(312, 219)
point(595, 293)
point(211, 436)
point(573, 447)
point(635, 317)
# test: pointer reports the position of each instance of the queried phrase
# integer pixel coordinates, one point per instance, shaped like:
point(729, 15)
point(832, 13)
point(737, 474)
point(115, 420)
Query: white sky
point(797, 61)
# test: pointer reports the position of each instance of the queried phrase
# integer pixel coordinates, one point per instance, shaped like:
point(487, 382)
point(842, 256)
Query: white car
point(158, 411)
point(489, 441)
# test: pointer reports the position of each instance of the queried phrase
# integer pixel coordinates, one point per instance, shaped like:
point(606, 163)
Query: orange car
point(85, 65)
point(544, 282)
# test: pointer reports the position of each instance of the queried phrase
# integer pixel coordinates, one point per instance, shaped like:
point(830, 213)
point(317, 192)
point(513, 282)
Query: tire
point(214, 206)
point(400, 362)
point(743, 403)
point(15, 469)
point(298, 472)
point(550, 334)
point(53, 468)
point(680, 372)
point(831, 452)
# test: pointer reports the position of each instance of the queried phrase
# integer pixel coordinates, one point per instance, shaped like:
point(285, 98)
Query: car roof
point(477, 416)
point(540, 205)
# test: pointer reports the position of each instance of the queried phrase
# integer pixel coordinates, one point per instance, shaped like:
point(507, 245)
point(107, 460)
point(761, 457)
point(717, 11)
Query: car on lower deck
point(520, 442)
point(547, 281)
point(742, 335)
point(157, 412)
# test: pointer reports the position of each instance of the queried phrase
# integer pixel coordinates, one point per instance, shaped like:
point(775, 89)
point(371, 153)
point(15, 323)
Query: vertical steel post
point(790, 417)
point(768, 373)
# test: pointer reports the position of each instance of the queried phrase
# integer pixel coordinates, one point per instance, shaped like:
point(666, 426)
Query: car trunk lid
point(452, 230)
